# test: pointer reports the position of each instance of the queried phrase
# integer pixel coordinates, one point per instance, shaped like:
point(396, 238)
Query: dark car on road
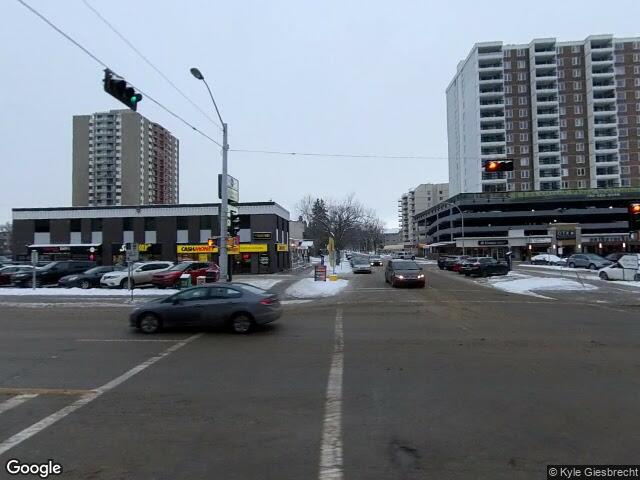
point(51, 272)
point(9, 270)
point(375, 260)
point(88, 279)
point(450, 262)
point(237, 305)
point(404, 272)
point(442, 259)
point(485, 267)
point(588, 260)
point(171, 277)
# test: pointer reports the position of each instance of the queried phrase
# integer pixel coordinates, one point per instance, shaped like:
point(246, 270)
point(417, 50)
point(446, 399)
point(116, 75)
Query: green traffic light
point(134, 99)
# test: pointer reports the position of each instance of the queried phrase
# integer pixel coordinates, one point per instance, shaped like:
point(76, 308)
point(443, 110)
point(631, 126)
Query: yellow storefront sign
point(204, 248)
point(282, 247)
point(198, 248)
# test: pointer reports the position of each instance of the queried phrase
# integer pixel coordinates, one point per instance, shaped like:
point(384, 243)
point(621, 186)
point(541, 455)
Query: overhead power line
point(85, 50)
point(341, 155)
point(148, 62)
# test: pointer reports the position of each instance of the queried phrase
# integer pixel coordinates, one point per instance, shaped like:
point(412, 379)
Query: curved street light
point(222, 248)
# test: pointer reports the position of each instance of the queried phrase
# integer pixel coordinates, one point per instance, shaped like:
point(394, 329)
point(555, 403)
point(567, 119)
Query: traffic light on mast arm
point(634, 216)
point(498, 166)
point(119, 89)
point(234, 224)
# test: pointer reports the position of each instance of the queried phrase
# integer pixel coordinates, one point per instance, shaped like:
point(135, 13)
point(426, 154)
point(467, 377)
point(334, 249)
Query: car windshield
point(405, 265)
point(180, 267)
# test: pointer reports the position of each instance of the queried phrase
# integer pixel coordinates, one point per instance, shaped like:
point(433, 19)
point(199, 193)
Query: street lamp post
point(461, 220)
point(222, 248)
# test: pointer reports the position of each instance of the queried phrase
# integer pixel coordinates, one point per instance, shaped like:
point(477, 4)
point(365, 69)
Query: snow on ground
point(426, 261)
point(264, 283)
point(342, 269)
point(559, 268)
point(526, 285)
point(308, 288)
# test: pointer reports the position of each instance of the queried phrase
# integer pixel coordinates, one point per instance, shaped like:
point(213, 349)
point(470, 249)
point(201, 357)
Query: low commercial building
point(162, 232)
point(561, 222)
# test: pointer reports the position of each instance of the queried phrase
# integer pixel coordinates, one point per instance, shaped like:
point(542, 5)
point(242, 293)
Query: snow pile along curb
point(526, 286)
point(309, 288)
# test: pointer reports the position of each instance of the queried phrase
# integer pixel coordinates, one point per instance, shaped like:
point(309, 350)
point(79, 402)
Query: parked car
point(442, 261)
point(171, 277)
point(51, 273)
point(485, 267)
point(614, 257)
point(89, 279)
point(9, 270)
point(548, 259)
point(361, 264)
point(4, 261)
point(237, 305)
point(404, 272)
point(451, 261)
point(141, 274)
point(457, 264)
point(626, 268)
point(588, 260)
point(375, 260)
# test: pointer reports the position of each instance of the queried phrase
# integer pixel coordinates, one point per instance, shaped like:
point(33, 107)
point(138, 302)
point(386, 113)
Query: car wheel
point(125, 284)
point(571, 265)
point(592, 266)
point(241, 323)
point(467, 274)
point(604, 276)
point(149, 323)
point(484, 274)
point(85, 284)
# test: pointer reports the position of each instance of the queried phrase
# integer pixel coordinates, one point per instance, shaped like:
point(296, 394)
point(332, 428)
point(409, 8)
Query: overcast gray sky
point(321, 76)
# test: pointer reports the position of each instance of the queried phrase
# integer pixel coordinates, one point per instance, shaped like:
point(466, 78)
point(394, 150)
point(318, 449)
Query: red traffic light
point(634, 208)
point(498, 166)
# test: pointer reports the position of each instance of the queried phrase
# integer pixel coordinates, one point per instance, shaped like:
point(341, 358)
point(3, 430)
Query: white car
point(548, 259)
point(626, 268)
point(141, 273)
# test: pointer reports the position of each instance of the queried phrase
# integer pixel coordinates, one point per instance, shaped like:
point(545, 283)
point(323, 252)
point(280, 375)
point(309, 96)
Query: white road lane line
point(160, 340)
point(15, 401)
point(37, 427)
point(331, 447)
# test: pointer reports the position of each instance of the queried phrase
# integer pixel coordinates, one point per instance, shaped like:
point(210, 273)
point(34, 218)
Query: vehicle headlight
point(401, 277)
point(421, 275)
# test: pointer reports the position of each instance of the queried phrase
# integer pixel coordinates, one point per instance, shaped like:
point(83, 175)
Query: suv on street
point(484, 267)
point(588, 260)
point(51, 273)
point(141, 273)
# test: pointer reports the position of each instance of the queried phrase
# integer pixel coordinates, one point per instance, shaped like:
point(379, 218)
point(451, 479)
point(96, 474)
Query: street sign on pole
point(233, 189)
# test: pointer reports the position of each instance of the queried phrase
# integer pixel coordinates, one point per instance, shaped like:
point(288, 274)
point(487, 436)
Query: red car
point(6, 272)
point(171, 277)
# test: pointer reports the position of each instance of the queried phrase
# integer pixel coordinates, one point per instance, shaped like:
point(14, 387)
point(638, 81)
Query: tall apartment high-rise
point(567, 113)
point(122, 158)
point(417, 200)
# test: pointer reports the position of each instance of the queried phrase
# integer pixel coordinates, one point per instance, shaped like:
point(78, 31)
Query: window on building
point(524, 148)
point(559, 50)
point(637, 107)
point(625, 169)
point(620, 82)
point(575, 61)
point(507, 65)
point(562, 110)
point(522, 52)
point(564, 159)
point(561, 74)
point(561, 62)
point(565, 184)
point(525, 125)
point(577, 73)
point(636, 57)
point(636, 82)
point(577, 85)
point(565, 172)
point(579, 134)
point(575, 49)
point(522, 89)
point(510, 175)
point(577, 97)
point(579, 158)
point(624, 157)
point(619, 69)
point(623, 132)
point(577, 109)
point(622, 108)
point(562, 98)
point(581, 184)
point(522, 100)
point(524, 186)
point(564, 147)
point(509, 150)
point(524, 161)
point(507, 88)
point(524, 137)
point(509, 125)
point(507, 78)
point(623, 120)
point(625, 182)
point(522, 112)
point(563, 135)
point(508, 113)
point(580, 172)
point(509, 138)
point(524, 173)
point(579, 147)
point(563, 122)
point(561, 86)
point(579, 122)
point(522, 76)
point(624, 145)
point(636, 70)
point(510, 186)
point(508, 101)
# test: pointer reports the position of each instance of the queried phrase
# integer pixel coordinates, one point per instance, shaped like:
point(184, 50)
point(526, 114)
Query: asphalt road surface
point(455, 381)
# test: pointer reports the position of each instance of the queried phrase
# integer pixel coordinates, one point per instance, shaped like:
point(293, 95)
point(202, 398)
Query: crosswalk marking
point(15, 401)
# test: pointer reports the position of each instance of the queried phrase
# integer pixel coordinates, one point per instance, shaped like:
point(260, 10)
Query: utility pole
point(224, 257)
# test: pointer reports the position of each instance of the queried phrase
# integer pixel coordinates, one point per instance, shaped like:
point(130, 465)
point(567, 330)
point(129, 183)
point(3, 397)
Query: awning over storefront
point(65, 247)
